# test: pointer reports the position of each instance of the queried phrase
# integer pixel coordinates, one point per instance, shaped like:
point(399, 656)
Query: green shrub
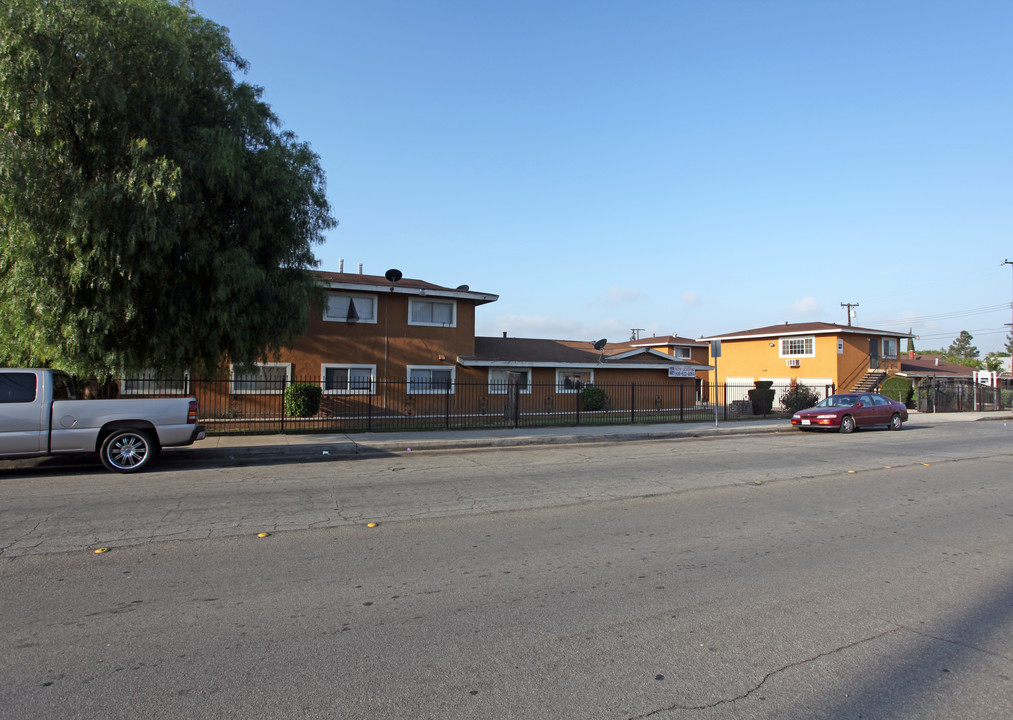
point(1006, 398)
point(592, 398)
point(799, 397)
point(302, 399)
point(898, 388)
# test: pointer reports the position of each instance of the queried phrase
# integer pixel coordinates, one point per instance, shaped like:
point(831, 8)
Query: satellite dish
point(393, 275)
point(600, 345)
point(464, 288)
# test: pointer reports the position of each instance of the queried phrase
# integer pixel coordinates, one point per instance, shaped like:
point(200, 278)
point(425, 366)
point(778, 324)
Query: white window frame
point(352, 296)
point(235, 389)
point(896, 348)
point(412, 302)
point(348, 391)
point(431, 390)
point(152, 383)
point(808, 346)
point(561, 374)
point(683, 353)
point(500, 388)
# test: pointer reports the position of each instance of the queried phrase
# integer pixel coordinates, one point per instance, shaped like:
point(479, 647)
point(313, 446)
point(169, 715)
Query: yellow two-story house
point(823, 356)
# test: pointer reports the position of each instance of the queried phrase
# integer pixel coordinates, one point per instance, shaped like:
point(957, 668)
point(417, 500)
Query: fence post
point(446, 408)
point(682, 402)
point(284, 380)
point(369, 410)
point(633, 403)
point(576, 394)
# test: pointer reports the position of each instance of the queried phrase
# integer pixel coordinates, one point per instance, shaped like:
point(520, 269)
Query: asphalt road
point(727, 578)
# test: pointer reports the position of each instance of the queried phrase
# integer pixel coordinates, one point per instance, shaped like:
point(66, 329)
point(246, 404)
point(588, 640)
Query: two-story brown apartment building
point(374, 333)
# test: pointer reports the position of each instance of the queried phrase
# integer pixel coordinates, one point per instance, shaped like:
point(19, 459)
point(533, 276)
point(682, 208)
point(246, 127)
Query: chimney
point(360, 268)
point(341, 265)
point(910, 354)
point(937, 362)
point(504, 333)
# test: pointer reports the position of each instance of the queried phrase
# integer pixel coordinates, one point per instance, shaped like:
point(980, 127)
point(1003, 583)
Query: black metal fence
point(969, 396)
point(231, 406)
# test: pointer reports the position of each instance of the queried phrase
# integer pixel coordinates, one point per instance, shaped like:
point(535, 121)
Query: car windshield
point(837, 401)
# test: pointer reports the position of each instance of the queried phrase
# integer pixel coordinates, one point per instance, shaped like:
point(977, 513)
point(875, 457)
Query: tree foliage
point(153, 213)
point(961, 348)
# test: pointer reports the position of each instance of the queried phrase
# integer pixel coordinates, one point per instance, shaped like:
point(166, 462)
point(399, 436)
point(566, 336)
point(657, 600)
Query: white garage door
point(820, 384)
point(738, 387)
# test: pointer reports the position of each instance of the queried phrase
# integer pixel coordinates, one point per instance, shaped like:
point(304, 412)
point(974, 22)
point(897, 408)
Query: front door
point(873, 353)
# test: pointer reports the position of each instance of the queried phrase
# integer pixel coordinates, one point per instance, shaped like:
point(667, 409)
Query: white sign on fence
point(681, 371)
point(985, 377)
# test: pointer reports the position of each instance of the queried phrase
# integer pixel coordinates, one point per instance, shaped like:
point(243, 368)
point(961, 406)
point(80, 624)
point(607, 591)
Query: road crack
point(765, 678)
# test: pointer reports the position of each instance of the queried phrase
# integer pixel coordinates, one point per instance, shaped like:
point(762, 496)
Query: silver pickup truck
point(41, 415)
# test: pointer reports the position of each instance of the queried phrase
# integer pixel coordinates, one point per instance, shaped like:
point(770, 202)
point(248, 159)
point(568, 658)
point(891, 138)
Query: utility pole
point(849, 306)
point(635, 333)
point(1009, 262)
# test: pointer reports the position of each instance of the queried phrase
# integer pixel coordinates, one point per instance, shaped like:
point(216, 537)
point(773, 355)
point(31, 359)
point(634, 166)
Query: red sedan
point(847, 411)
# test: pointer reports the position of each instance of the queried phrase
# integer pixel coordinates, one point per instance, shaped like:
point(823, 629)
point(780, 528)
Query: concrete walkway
point(307, 445)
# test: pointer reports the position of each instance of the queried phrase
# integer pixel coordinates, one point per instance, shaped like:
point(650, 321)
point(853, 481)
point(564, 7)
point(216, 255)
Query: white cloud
point(691, 297)
point(544, 326)
point(616, 295)
point(806, 306)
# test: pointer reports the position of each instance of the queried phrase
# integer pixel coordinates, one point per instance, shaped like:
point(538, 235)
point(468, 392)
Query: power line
point(947, 316)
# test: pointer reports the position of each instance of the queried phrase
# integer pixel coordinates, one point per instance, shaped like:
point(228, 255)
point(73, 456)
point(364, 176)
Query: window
point(798, 347)
point(266, 379)
point(438, 379)
point(499, 380)
point(149, 382)
point(681, 352)
point(17, 387)
point(889, 347)
point(568, 381)
point(349, 379)
point(441, 313)
point(345, 307)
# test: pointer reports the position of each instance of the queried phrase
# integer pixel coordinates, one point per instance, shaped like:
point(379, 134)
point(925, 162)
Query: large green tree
point(961, 348)
point(153, 214)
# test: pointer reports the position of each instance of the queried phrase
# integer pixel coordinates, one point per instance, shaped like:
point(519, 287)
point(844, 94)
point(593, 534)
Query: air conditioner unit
point(793, 362)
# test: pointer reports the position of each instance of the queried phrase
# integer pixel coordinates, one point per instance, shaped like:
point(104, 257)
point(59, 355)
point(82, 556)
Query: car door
point(884, 410)
point(21, 425)
point(867, 413)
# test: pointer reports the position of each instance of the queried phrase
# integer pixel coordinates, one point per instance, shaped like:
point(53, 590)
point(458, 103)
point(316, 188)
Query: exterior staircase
point(870, 381)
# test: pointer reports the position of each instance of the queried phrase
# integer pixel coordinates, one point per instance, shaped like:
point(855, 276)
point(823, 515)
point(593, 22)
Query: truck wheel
point(128, 450)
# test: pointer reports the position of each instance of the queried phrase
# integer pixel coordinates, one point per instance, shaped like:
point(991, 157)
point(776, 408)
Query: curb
point(403, 445)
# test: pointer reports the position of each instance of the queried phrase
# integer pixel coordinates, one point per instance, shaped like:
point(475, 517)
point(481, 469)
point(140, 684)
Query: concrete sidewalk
point(307, 445)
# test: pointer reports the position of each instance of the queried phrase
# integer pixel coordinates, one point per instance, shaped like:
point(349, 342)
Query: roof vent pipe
point(937, 362)
point(504, 333)
point(360, 268)
point(341, 265)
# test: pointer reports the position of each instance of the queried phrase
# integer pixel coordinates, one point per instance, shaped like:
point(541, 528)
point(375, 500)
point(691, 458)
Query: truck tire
point(127, 450)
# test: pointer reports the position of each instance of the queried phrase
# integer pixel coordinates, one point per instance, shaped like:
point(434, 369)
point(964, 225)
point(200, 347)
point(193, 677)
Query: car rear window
point(17, 387)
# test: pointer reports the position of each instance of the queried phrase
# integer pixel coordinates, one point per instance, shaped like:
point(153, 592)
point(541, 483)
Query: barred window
point(798, 347)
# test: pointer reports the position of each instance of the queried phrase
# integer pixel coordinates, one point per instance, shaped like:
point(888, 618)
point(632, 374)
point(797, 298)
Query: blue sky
point(683, 166)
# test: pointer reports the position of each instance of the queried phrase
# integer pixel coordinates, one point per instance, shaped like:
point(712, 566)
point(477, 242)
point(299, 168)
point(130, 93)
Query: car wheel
point(128, 450)
point(847, 424)
point(895, 422)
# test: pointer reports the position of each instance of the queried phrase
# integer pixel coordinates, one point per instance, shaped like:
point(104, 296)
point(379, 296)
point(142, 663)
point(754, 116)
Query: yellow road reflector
point(101, 550)
point(852, 472)
point(263, 534)
point(370, 524)
point(925, 464)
